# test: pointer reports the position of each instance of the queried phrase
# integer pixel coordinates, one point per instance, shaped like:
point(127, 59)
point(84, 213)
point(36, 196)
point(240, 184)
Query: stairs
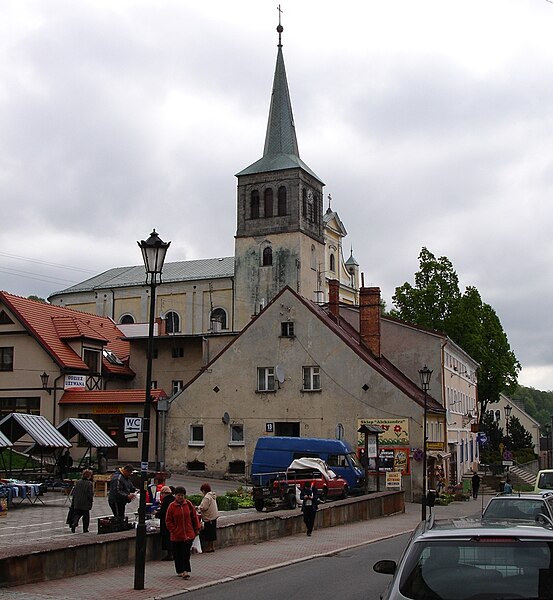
point(520, 475)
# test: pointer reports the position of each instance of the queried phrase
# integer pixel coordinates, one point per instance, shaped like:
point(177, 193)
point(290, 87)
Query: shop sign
point(396, 432)
point(393, 480)
point(438, 446)
point(74, 382)
point(107, 409)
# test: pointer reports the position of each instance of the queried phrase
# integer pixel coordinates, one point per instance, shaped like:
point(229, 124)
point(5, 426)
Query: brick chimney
point(369, 318)
point(334, 297)
point(161, 326)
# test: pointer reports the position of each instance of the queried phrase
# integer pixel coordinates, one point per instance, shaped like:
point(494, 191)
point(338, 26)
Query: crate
point(113, 524)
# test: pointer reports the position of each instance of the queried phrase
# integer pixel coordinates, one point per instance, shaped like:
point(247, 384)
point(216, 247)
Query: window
point(265, 379)
point(29, 406)
point(176, 385)
point(177, 352)
point(281, 201)
point(6, 359)
point(154, 385)
point(254, 205)
point(287, 329)
point(92, 359)
point(236, 434)
point(304, 202)
point(196, 435)
point(311, 378)
point(267, 257)
point(173, 322)
point(268, 202)
point(332, 263)
point(218, 319)
point(126, 320)
point(313, 258)
point(237, 467)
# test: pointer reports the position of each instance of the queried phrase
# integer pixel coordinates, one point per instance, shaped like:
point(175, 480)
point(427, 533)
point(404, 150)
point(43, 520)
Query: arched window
point(332, 263)
point(281, 201)
point(267, 256)
point(254, 205)
point(173, 322)
point(126, 320)
point(304, 202)
point(218, 319)
point(268, 202)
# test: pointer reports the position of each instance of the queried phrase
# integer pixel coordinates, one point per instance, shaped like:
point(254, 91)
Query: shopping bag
point(196, 545)
point(70, 516)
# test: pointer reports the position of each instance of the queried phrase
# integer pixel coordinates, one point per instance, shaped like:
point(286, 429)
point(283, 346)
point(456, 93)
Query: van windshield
point(354, 459)
point(546, 481)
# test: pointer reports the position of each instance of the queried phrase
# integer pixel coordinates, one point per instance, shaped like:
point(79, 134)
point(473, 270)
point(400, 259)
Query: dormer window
point(92, 359)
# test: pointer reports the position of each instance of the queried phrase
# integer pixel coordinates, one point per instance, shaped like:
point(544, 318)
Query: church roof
point(281, 144)
point(184, 270)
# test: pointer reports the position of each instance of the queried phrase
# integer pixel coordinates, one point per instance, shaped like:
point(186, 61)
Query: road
point(345, 575)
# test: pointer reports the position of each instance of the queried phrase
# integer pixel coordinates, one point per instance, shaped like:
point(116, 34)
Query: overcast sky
point(430, 122)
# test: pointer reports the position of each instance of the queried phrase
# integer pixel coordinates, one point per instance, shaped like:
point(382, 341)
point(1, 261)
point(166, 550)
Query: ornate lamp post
point(153, 253)
point(507, 408)
point(425, 374)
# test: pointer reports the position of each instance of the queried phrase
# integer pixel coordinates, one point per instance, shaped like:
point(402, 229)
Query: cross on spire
point(280, 28)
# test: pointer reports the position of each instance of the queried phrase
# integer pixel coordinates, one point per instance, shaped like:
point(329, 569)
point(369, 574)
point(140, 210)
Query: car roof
point(440, 529)
point(524, 496)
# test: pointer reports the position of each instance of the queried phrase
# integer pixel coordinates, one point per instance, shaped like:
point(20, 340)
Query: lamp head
point(153, 250)
point(425, 374)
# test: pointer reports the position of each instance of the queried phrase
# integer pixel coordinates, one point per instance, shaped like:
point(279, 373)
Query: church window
point(254, 205)
point(268, 202)
point(126, 320)
point(304, 202)
point(267, 257)
point(332, 263)
point(218, 319)
point(281, 201)
point(173, 322)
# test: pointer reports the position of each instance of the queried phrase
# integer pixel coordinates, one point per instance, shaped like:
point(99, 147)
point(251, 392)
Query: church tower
point(280, 230)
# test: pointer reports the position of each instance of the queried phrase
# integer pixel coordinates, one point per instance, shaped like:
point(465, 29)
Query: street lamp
point(547, 448)
point(153, 253)
point(507, 408)
point(425, 374)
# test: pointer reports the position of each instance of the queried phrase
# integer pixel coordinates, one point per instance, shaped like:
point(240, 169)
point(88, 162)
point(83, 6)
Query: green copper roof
point(281, 145)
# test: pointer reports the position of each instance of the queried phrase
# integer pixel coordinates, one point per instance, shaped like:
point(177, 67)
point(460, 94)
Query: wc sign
point(133, 424)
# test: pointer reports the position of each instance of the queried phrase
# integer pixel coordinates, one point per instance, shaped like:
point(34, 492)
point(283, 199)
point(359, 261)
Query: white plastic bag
point(196, 545)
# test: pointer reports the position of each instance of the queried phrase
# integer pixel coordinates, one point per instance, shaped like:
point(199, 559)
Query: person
point(65, 462)
point(507, 488)
point(83, 497)
point(166, 497)
point(121, 491)
point(309, 505)
point(209, 514)
point(102, 463)
point(183, 524)
point(475, 485)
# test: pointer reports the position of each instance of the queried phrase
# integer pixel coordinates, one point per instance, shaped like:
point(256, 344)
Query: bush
point(240, 498)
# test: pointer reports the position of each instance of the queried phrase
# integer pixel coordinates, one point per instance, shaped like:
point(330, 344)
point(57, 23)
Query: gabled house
point(296, 369)
point(60, 363)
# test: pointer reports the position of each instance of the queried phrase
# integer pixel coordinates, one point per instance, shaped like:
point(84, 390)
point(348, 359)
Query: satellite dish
point(279, 374)
point(226, 418)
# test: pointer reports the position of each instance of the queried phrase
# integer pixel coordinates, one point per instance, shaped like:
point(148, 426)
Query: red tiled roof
point(109, 397)
point(52, 327)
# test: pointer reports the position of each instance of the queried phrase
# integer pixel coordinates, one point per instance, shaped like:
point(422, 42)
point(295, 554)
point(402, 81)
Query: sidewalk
point(231, 563)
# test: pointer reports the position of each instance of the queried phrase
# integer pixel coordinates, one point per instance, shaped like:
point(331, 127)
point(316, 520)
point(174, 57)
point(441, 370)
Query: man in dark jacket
point(121, 490)
point(310, 503)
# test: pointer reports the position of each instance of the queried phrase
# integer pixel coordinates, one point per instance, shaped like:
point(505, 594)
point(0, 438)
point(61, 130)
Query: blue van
point(274, 453)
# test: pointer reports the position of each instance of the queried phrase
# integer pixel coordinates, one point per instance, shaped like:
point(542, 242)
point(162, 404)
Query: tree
point(436, 302)
point(518, 436)
point(430, 301)
point(36, 299)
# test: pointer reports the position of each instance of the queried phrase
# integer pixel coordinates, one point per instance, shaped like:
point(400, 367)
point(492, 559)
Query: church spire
point(281, 144)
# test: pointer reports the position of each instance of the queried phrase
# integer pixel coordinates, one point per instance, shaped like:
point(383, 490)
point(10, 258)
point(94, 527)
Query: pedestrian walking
point(183, 524)
point(121, 491)
point(507, 488)
point(166, 497)
point(83, 498)
point(475, 485)
point(209, 514)
point(309, 505)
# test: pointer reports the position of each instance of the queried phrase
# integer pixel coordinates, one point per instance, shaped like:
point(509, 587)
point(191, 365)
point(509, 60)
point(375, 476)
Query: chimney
point(334, 297)
point(369, 318)
point(161, 326)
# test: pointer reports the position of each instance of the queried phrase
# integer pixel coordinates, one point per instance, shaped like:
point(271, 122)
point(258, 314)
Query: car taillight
point(495, 540)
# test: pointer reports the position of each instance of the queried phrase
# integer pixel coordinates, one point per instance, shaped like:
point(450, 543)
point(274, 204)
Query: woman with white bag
point(209, 513)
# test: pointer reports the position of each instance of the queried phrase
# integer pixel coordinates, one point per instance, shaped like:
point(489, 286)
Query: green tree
point(518, 436)
point(436, 302)
point(36, 299)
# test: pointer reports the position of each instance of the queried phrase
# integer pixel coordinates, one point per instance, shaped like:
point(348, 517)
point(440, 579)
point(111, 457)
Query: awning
point(93, 434)
point(439, 455)
point(4, 442)
point(16, 425)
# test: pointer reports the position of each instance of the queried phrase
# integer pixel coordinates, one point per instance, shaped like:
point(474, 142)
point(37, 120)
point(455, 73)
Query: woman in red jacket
point(184, 525)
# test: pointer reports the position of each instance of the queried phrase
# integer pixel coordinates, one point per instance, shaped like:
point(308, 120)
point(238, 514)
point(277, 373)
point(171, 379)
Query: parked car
point(520, 507)
point(464, 559)
point(544, 480)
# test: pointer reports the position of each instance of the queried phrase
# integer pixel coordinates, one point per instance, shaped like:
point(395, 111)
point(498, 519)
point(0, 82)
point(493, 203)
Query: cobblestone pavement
point(45, 524)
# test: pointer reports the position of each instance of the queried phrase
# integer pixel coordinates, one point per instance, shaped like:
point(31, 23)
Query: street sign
point(507, 455)
point(507, 463)
point(133, 425)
